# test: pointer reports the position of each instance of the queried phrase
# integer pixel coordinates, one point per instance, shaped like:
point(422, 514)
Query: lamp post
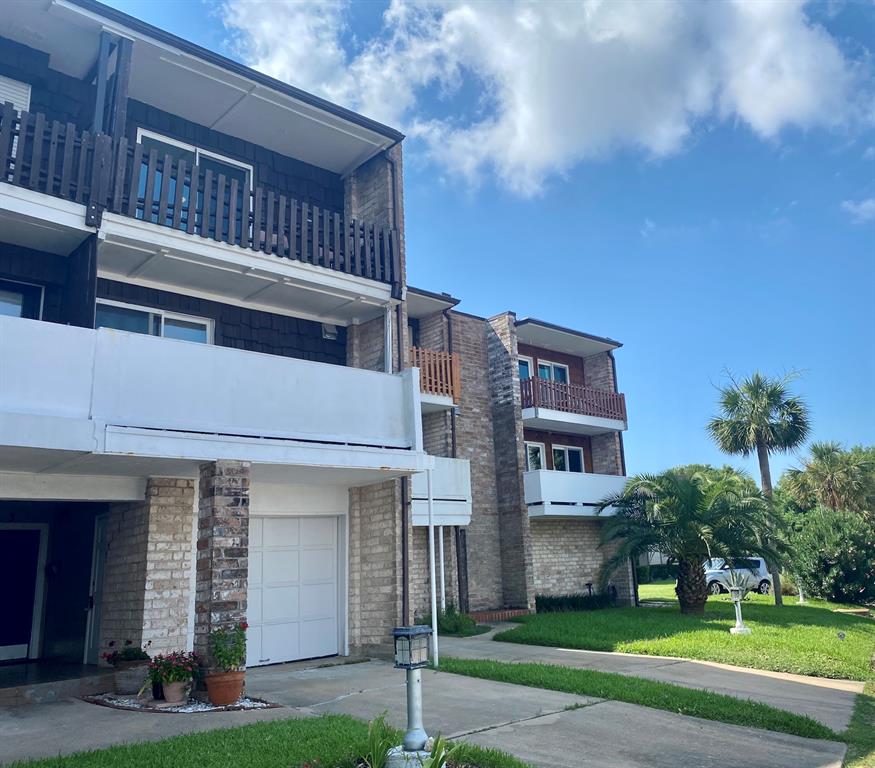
point(411, 653)
point(736, 593)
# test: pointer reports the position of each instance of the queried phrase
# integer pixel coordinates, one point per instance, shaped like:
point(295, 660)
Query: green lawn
point(326, 742)
point(803, 639)
point(648, 693)
point(861, 733)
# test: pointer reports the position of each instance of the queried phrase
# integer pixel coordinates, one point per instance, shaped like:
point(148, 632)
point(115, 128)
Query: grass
point(323, 742)
point(802, 639)
point(648, 693)
point(860, 735)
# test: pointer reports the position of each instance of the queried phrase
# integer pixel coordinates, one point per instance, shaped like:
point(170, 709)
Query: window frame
point(198, 151)
point(530, 361)
point(42, 296)
point(566, 449)
point(162, 313)
point(553, 366)
point(542, 448)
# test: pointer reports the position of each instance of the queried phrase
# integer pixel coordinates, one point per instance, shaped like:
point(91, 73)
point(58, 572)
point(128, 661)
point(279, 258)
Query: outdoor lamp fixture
point(737, 593)
point(411, 653)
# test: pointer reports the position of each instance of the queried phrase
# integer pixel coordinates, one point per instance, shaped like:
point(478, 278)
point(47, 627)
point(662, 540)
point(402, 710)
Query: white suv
point(752, 569)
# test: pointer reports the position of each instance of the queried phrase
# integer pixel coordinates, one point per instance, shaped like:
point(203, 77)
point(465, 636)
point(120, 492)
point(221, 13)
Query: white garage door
point(293, 606)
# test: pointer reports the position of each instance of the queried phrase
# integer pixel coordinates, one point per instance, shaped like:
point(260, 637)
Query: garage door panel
point(318, 565)
point(253, 609)
point(281, 604)
point(319, 531)
point(256, 528)
point(282, 566)
point(282, 532)
point(280, 642)
point(256, 563)
point(319, 600)
point(319, 637)
point(253, 646)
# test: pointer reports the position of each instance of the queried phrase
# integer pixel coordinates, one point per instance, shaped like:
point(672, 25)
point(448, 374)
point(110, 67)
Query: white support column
point(434, 616)
point(387, 339)
point(443, 575)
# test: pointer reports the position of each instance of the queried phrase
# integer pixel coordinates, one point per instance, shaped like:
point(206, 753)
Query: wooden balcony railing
point(572, 398)
point(105, 176)
point(440, 373)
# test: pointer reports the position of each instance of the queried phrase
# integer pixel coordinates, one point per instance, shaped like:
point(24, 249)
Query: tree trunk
point(766, 483)
point(691, 589)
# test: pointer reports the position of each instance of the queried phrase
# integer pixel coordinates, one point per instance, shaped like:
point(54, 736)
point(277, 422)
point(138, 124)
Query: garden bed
point(192, 706)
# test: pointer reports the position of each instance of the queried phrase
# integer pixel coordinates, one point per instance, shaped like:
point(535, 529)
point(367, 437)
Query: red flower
point(244, 625)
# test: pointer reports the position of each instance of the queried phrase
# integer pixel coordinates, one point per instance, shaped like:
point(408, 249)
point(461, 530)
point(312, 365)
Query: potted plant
point(131, 664)
point(228, 655)
point(175, 670)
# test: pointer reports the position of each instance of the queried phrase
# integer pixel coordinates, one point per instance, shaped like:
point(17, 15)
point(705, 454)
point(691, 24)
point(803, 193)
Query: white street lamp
point(737, 592)
point(411, 653)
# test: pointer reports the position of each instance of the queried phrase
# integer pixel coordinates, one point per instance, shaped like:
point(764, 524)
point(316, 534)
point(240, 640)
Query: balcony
point(119, 180)
point(105, 399)
point(568, 494)
point(571, 408)
point(451, 492)
point(440, 378)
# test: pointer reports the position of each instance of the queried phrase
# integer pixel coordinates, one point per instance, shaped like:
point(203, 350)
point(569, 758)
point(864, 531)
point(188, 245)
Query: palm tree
point(832, 477)
point(759, 415)
point(690, 514)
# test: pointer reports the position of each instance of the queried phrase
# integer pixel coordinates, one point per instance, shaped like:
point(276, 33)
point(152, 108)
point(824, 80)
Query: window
point(525, 366)
point(567, 459)
point(231, 169)
point(535, 456)
point(20, 300)
point(153, 322)
point(553, 372)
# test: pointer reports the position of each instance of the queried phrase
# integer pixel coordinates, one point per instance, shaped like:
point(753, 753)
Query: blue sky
point(657, 191)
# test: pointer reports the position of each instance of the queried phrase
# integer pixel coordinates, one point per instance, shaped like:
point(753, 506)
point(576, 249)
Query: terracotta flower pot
point(176, 693)
point(130, 676)
point(225, 688)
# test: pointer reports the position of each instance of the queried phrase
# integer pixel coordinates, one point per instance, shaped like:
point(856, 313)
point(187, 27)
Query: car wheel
point(714, 588)
point(765, 587)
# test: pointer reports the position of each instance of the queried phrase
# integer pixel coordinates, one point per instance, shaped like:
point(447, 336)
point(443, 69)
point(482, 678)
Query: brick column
point(507, 429)
point(222, 549)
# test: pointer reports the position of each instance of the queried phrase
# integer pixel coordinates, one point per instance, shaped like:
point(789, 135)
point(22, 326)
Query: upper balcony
point(571, 408)
point(162, 210)
point(440, 378)
point(110, 402)
point(451, 493)
point(568, 494)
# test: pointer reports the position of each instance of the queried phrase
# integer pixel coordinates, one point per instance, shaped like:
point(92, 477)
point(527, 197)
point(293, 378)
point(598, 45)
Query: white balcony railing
point(568, 494)
point(62, 386)
point(451, 491)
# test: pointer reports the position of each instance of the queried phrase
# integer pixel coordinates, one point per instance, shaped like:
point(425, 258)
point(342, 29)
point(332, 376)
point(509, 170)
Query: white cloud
point(648, 228)
point(869, 153)
point(861, 210)
point(547, 85)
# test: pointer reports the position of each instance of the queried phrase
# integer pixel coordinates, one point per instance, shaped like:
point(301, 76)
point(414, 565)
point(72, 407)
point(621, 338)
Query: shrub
point(580, 602)
point(835, 556)
point(664, 572)
point(451, 622)
point(644, 575)
point(129, 652)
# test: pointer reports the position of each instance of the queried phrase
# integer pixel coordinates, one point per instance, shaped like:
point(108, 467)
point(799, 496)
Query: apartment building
point(538, 415)
point(218, 397)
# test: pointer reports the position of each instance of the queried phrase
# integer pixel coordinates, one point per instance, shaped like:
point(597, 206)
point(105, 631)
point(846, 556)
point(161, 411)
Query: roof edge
point(445, 297)
point(562, 329)
point(120, 17)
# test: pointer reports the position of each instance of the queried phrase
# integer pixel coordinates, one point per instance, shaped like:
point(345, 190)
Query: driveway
point(829, 701)
point(544, 728)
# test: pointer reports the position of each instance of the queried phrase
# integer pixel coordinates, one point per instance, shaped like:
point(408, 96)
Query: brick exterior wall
point(420, 577)
point(222, 549)
point(566, 556)
point(375, 566)
point(516, 545)
point(147, 569)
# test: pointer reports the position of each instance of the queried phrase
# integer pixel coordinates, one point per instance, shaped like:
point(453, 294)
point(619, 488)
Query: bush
point(835, 556)
point(664, 572)
point(451, 622)
point(581, 602)
point(644, 574)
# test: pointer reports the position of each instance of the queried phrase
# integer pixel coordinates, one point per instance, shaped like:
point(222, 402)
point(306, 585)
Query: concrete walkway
point(829, 701)
point(544, 728)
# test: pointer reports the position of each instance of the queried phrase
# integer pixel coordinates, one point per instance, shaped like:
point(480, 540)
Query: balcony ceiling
point(172, 77)
point(538, 333)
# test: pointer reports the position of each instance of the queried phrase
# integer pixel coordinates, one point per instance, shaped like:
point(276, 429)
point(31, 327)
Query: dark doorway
point(19, 566)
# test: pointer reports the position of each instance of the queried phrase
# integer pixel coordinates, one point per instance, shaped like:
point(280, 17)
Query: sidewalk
point(831, 702)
